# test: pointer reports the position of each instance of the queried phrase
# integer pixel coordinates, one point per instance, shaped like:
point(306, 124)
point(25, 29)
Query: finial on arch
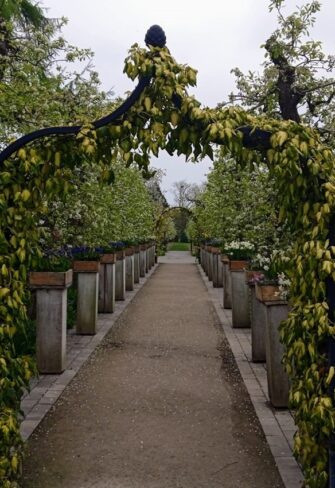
point(155, 36)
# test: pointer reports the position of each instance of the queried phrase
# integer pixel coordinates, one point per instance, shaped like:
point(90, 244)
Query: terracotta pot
point(50, 279)
point(129, 251)
point(267, 293)
point(237, 265)
point(120, 255)
point(109, 258)
point(86, 266)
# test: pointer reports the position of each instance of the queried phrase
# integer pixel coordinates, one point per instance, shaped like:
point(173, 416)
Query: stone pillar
point(226, 284)
point(130, 276)
point(215, 269)
point(240, 300)
point(220, 272)
point(143, 255)
point(51, 308)
point(136, 264)
point(206, 260)
point(278, 383)
point(88, 293)
point(153, 253)
point(147, 259)
point(210, 264)
point(216, 260)
point(149, 256)
point(120, 276)
point(258, 324)
point(106, 302)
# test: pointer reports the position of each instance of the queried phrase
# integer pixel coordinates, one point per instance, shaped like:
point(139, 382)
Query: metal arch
point(75, 129)
point(155, 36)
point(169, 209)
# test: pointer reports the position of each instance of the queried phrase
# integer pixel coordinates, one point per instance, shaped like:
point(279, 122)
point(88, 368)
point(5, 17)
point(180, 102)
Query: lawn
point(178, 246)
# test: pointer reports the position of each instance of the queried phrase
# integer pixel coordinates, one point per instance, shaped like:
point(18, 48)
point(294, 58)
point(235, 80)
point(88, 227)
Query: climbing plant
point(167, 117)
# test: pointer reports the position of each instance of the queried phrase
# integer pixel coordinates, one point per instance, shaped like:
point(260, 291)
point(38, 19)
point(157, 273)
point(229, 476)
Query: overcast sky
point(212, 36)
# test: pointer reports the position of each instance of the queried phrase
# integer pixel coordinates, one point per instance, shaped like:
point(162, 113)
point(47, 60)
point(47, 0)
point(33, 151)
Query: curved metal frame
point(75, 129)
point(155, 36)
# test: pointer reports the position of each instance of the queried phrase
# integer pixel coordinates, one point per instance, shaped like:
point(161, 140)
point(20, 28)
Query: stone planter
point(226, 284)
point(143, 258)
point(88, 294)
point(120, 276)
point(278, 383)
point(258, 326)
point(51, 307)
point(239, 300)
point(130, 277)
point(106, 303)
point(136, 264)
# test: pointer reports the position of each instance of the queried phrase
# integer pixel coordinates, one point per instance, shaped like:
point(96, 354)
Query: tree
point(238, 204)
point(38, 88)
point(154, 189)
point(296, 82)
point(97, 213)
point(184, 193)
point(14, 15)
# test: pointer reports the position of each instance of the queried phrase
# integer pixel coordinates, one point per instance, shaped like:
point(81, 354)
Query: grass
point(178, 246)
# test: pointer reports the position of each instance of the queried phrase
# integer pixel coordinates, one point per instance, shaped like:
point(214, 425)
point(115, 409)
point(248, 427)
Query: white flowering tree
point(237, 204)
point(97, 213)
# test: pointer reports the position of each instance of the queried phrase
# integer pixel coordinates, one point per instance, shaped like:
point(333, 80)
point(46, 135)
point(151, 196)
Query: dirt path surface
point(159, 405)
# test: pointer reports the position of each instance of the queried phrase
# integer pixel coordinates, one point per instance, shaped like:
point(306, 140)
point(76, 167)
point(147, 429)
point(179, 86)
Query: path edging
point(277, 424)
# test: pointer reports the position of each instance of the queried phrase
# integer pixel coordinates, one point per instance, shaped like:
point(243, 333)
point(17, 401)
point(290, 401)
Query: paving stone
point(27, 427)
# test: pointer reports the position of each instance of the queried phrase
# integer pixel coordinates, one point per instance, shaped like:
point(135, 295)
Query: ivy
point(301, 166)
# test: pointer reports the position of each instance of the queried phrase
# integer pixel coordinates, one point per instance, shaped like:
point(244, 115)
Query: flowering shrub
point(284, 286)
point(239, 250)
point(260, 262)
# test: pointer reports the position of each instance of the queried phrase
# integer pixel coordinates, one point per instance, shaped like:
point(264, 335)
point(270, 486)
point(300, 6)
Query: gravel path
point(160, 404)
